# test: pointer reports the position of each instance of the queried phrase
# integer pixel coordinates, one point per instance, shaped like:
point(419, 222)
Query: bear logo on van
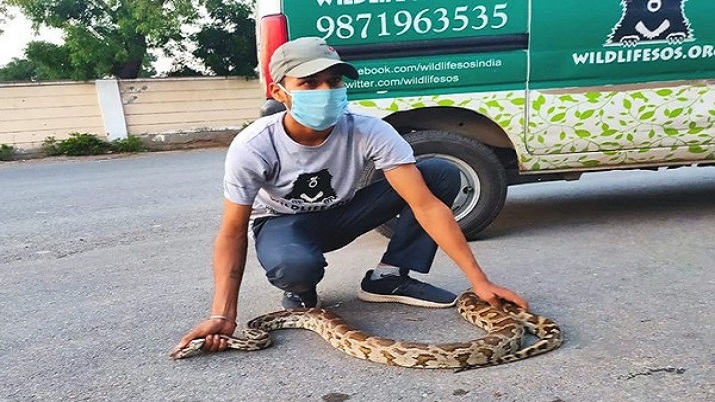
point(660, 21)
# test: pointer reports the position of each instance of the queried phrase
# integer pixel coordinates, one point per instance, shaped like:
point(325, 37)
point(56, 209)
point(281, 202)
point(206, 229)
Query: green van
point(513, 91)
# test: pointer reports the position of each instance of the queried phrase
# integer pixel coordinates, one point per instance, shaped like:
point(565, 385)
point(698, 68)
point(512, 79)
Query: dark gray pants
point(290, 247)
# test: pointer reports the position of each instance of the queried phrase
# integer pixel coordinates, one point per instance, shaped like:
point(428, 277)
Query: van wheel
point(484, 184)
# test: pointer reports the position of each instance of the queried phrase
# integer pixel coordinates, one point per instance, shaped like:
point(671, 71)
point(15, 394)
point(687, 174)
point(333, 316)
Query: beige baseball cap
point(306, 56)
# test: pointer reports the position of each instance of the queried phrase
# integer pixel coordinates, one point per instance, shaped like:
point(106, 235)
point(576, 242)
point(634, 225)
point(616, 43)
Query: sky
point(18, 32)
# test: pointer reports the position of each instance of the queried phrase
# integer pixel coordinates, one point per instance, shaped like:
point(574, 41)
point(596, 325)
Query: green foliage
point(52, 62)
point(113, 38)
point(129, 144)
point(6, 152)
point(80, 144)
point(18, 70)
point(4, 16)
point(46, 61)
point(227, 44)
point(108, 38)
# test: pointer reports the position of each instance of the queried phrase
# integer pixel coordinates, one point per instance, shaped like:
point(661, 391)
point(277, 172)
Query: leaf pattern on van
point(624, 127)
point(553, 130)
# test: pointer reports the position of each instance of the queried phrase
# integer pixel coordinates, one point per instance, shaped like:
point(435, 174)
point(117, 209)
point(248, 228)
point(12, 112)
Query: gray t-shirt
point(267, 169)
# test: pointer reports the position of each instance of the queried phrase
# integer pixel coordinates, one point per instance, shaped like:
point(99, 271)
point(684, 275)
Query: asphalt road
point(105, 263)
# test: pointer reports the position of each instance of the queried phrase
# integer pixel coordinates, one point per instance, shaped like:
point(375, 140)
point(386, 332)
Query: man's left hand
point(494, 295)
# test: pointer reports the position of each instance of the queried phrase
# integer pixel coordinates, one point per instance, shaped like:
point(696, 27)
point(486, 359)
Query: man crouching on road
point(296, 173)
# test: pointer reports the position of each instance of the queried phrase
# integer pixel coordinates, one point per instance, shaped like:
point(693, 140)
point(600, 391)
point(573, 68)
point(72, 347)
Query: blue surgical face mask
point(318, 109)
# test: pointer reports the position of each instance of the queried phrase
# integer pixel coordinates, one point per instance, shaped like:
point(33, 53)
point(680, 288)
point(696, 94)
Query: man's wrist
point(477, 277)
point(220, 317)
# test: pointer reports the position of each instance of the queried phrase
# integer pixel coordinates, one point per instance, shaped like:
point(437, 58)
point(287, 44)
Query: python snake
point(501, 344)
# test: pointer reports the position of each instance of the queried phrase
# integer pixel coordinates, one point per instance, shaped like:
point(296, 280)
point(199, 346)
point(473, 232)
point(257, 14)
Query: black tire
point(484, 184)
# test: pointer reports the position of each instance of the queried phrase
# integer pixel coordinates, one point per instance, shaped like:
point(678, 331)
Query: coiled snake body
point(505, 331)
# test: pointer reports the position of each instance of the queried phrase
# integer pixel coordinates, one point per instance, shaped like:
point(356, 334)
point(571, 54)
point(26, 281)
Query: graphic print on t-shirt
point(313, 188)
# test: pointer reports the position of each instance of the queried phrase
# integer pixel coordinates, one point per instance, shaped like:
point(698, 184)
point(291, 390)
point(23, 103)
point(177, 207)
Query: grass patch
point(129, 144)
point(6, 152)
point(80, 144)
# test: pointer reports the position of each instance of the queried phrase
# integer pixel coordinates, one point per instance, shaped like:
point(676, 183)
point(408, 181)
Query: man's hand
point(494, 295)
point(438, 221)
point(210, 331)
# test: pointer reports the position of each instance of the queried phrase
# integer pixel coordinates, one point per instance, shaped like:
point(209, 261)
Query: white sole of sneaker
point(377, 298)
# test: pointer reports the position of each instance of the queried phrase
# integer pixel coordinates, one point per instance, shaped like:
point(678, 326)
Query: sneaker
point(406, 290)
point(293, 300)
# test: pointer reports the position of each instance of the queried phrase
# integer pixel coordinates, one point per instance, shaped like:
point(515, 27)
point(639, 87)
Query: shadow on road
point(545, 207)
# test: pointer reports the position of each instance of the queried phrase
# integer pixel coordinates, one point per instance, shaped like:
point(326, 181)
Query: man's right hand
point(229, 262)
point(210, 331)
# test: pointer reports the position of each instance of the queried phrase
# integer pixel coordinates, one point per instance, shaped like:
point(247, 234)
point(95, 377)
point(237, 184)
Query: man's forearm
point(229, 264)
point(438, 221)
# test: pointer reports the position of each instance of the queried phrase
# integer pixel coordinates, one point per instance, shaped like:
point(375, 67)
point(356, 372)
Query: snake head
point(191, 349)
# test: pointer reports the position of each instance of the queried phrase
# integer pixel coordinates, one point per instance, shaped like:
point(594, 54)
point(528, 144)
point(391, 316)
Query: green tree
point(18, 70)
point(4, 16)
point(54, 62)
point(110, 37)
point(46, 61)
point(226, 45)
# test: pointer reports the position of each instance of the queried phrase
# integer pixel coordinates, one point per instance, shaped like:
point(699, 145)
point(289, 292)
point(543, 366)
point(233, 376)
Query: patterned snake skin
point(502, 343)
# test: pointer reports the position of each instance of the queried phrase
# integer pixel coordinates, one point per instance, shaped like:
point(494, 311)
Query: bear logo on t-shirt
point(651, 21)
point(312, 187)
